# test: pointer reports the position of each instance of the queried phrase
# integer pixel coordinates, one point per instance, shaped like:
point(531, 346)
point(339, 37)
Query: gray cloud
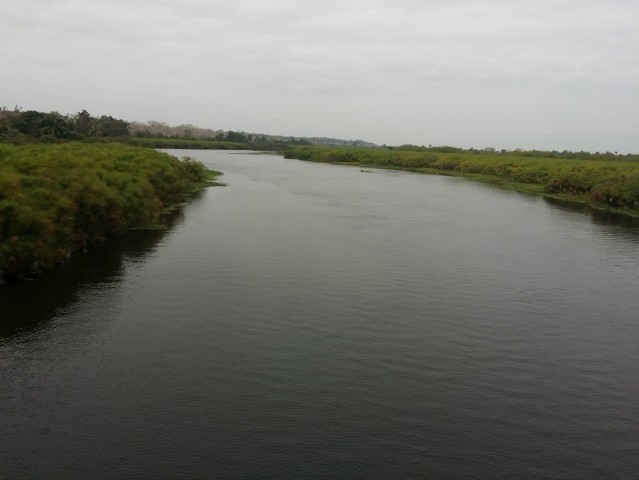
point(544, 74)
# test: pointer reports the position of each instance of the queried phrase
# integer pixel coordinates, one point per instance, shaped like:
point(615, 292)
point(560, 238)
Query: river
point(319, 321)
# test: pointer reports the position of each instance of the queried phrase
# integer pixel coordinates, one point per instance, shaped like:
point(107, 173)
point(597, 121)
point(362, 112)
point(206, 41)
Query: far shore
point(607, 185)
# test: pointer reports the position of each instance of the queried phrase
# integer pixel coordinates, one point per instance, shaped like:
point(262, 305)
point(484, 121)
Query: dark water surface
point(316, 321)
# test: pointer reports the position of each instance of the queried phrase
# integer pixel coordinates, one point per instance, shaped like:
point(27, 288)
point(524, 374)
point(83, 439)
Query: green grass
point(55, 199)
point(183, 143)
point(607, 184)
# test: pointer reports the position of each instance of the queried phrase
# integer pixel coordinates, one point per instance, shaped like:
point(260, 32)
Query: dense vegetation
point(257, 141)
point(256, 144)
point(55, 199)
point(521, 153)
point(18, 127)
point(23, 127)
point(604, 183)
point(184, 143)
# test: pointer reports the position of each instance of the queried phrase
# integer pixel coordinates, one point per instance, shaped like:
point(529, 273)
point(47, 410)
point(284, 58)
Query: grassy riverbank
point(56, 199)
point(609, 184)
point(184, 143)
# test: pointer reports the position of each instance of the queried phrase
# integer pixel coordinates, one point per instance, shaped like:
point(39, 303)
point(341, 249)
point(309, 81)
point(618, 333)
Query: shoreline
point(533, 189)
point(60, 199)
point(614, 180)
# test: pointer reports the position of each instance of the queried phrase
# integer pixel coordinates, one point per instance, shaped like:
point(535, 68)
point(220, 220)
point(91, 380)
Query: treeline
point(161, 130)
point(55, 199)
point(161, 135)
point(185, 143)
point(255, 141)
point(598, 182)
point(565, 154)
point(270, 145)
point(154, 129)
point(18, 127)
point(22, 127)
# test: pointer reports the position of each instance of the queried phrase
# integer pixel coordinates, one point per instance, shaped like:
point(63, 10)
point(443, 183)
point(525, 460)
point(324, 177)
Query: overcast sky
point(547, 74)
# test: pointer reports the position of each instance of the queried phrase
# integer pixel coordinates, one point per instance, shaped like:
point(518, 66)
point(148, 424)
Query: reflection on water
point(625, 223)
point(26, 304)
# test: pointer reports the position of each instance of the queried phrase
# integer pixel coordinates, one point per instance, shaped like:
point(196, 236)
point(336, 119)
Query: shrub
point(57, 198)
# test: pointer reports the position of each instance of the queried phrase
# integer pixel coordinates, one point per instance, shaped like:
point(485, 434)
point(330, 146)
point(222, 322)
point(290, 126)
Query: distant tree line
point(153, 129)
point(161, 135)
point(19, 127)
point(565, 154)
point(161, 130)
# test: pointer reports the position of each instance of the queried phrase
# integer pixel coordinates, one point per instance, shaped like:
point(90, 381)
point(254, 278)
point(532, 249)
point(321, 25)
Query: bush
point(55, 199)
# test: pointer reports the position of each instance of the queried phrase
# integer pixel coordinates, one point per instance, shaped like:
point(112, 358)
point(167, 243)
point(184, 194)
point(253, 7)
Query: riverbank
point(184, 143)
point(57, 199)
point(605, 184)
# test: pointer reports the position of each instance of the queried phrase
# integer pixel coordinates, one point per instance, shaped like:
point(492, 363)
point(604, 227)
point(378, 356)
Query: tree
point(231, 136)
point(84, 124)
point(107, 126)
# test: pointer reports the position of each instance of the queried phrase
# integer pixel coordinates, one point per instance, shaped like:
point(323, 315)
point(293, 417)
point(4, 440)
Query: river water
point(319, 321)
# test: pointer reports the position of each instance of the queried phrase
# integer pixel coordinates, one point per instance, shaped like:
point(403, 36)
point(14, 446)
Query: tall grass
point(55, 199)
point(601, 183)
